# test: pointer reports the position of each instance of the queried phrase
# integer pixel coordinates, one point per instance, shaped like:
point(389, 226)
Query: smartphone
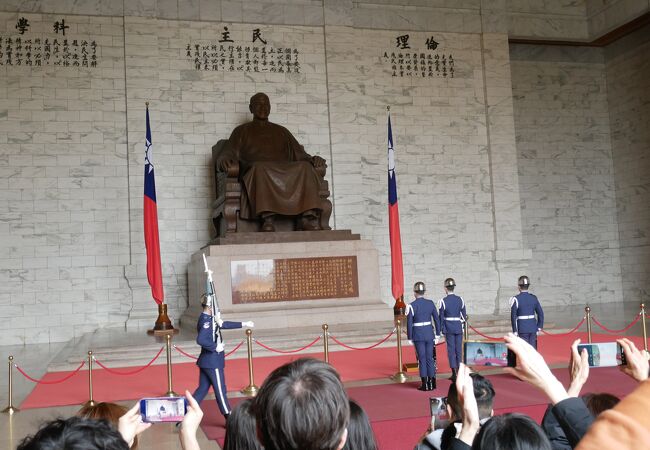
point(604, 354)
point(163, 409)
point(439, 414)
point(482, 353)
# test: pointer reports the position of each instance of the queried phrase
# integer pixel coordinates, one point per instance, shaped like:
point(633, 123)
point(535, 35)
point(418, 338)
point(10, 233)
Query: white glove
point(435, 340)
point(515, 333)
point(218, 319)
point(220, 347)
point(410, 342)
point(249, 324)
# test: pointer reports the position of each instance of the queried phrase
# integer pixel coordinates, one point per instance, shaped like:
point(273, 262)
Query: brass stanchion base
point(171, 394)
point(10, 410)
point(251, 390)
point(89, 403)
point(400, 377)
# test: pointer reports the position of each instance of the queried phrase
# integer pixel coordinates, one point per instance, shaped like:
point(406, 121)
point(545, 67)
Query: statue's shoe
point(310, 224)
point(268, 225)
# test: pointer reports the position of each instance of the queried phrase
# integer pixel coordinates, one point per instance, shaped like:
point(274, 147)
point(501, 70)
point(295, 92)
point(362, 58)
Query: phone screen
point(480, 353)
point(163, 409)
point(438, 406)
point(603, 354)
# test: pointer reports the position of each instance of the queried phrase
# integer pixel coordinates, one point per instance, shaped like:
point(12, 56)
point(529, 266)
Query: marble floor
point(34, 359)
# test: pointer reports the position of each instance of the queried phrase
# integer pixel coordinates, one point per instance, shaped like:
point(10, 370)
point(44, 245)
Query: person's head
point(523, 282)
point(302, 405)
point(419, 289)
point(240, 428)
point(450, 285)
point(512, 431)
point(75, 433)
point(205, 304)
point(484, 393)
point(597, 403)
point(360, 434)
point(260, 106)
point(110, 412)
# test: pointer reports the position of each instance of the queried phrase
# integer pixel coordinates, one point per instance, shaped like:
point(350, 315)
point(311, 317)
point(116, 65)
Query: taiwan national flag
point(151, 239)
point(397, 271)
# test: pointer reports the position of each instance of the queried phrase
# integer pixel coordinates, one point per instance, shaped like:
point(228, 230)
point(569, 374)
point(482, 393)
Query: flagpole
point(163, 324)
point(397, 269)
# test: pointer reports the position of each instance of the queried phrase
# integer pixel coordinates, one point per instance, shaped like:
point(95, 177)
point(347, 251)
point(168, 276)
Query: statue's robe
point(276, 172)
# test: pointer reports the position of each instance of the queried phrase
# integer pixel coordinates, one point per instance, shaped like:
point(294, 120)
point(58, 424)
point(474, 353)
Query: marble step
point(117, 348)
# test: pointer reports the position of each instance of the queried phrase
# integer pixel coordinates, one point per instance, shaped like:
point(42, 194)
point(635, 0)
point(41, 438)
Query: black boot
point(425, 384)
point(431, 385)
point(453, 375)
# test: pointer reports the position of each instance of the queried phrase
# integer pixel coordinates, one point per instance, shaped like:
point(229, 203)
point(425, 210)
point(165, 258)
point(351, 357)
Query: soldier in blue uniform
point(526, 313)
point(452, 316)
point(421, 316)
point(211, 361)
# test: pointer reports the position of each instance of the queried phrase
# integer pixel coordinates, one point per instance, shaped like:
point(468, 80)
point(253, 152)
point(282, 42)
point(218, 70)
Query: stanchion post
point(250, 390)
point(645, 330)
point(466, 330)
point(11, 409)
point(326, 345)
point(91, 400)
point(399, 376)
point(168, 345)
point(588, 318)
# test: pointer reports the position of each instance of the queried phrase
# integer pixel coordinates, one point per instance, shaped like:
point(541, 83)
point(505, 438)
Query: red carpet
point(352, 365)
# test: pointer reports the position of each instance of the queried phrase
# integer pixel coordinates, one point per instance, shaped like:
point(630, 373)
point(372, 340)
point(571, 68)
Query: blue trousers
point(454, 349)
point(424, 352)
point(531, 338)
point(215, 378)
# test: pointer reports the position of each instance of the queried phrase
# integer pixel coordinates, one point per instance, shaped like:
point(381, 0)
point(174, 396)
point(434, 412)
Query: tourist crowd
point(303, 405)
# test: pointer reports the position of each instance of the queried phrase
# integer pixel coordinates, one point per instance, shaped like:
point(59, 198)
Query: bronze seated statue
point(265, 181)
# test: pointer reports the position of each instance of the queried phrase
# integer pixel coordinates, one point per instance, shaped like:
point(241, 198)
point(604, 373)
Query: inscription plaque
point(294, 279)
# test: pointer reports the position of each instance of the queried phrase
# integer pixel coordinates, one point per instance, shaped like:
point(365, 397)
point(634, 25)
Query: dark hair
point(360, 434)
point(483, 391)
point(512, 431)
point(302, 405)
point(111, 412)
point(597, 403)
point(75, 433)
point(447, 434)
point(240, 428)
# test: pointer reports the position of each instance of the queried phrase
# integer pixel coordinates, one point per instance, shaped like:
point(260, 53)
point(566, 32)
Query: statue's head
point(260, 106)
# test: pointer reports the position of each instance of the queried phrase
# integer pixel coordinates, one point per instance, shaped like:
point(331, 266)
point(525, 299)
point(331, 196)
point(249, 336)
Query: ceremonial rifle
point(211, 297)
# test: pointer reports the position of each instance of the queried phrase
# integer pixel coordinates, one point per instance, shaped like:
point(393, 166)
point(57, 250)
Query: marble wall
point(605, 15)
point(628, 88)
point(72, 147)
point(566, 174)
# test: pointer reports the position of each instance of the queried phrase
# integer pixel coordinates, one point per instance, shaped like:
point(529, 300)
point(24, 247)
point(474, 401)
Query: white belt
point(525, 317)
point(457, 319)
point(421, 324)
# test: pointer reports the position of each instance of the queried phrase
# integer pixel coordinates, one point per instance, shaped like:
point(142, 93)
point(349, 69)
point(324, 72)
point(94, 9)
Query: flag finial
point(146, 104)
point(388, 108)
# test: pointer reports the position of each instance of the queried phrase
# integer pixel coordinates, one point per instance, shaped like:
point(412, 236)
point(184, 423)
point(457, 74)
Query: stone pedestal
point(367, 306)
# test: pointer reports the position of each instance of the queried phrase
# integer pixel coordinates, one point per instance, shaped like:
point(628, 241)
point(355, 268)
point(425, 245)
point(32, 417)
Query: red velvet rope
point(40, 381)
point(568, 332)
point(363, 348)
point(492, 338)
point(234, 349)
point(288, 351)
point(129, 372)
point(622, 330)
point(179, 350)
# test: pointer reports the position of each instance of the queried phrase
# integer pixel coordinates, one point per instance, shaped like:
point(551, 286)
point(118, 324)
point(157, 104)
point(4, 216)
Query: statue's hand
point(318, 162)
point(228, 164)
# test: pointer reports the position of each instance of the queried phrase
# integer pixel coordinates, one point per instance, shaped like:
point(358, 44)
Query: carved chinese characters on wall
point(277, 280)
point(409, 58)
point(27, 48)
point(253, 54)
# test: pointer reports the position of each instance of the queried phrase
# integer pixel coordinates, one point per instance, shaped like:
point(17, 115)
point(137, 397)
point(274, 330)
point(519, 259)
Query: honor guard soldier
point(526, 313)
point(452, 316)
point(421, 316)
point(211, 361)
